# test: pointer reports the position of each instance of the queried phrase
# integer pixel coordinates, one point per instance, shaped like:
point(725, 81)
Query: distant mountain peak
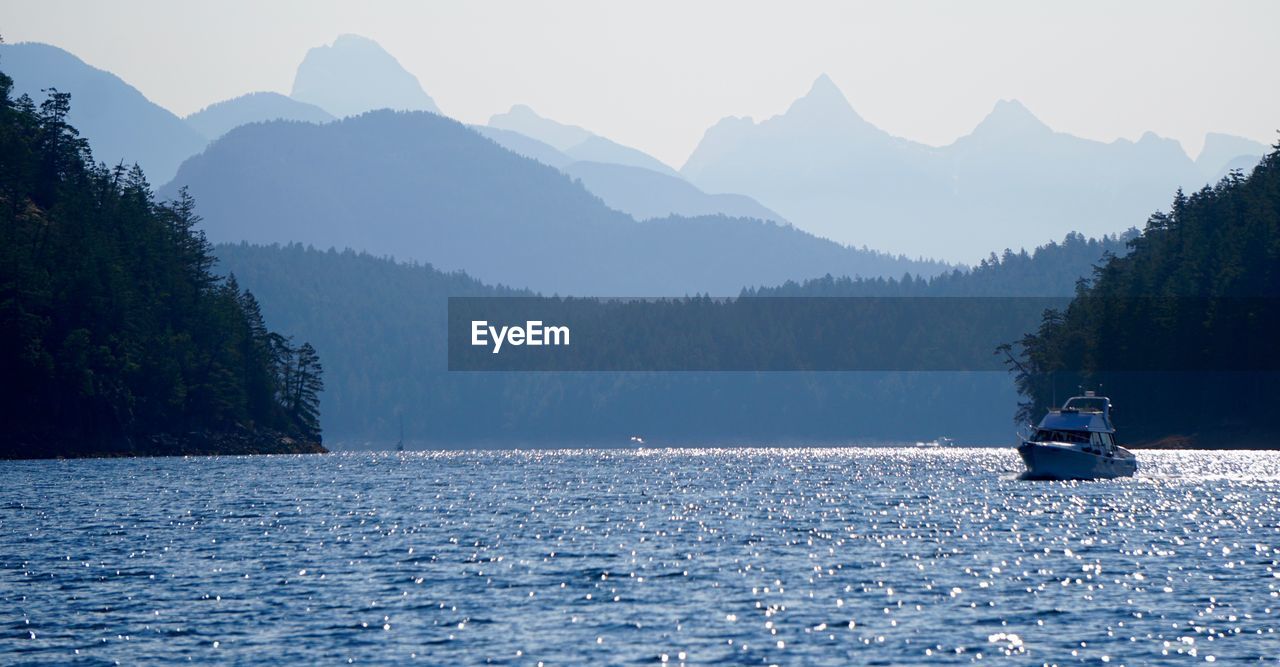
point(1152, 138)
point(355, 74)
point(1156, 145)
point(523, 119)
point(218, 118)
point(348, 39)
point(1011, 117)
point(824, 86)
point(825, 98)
point(1223, 152)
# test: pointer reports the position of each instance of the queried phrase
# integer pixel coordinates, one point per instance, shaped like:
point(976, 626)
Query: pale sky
point(655, 74)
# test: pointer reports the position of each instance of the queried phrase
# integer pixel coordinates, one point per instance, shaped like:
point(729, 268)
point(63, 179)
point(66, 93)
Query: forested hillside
point(115, 338)
point(1052, 269)
point(1181, 331)
point(381, 327)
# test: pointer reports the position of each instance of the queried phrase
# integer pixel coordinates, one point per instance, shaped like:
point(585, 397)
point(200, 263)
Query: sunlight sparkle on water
point(820, 556)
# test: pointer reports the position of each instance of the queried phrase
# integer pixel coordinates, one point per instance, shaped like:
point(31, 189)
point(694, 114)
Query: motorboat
point(1077, 441)
point(940, 441)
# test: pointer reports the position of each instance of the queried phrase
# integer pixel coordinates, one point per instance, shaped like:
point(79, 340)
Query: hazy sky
point(655, 74)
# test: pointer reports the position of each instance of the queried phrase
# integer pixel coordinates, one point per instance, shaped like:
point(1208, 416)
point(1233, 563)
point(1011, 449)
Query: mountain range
point(347, 77)
point(418, 186)
point(578, 144)
point(217, 119)
point(122, 125)
point(1011, 182)
point(623, 185)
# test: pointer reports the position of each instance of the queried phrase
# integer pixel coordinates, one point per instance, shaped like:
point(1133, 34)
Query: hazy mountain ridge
point(524, 146)
point(1011, 182)
point(420, 186)
point(575, 142)
point(353, 75)
point(645, 194)
point(219, 118)
point(1223, 153)
point(640, 193)
point(121, 124)
point(646, 188)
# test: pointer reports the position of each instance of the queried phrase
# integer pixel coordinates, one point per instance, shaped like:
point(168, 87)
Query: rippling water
point(816, 556)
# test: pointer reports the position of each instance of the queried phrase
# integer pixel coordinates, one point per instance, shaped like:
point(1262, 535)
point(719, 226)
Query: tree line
point(1181, 330)
point(383, 326)
point(113, 328)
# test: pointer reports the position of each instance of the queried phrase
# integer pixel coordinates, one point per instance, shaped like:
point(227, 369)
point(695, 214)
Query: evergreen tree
point(304, 407)
point(113, 329)
point(1181, 330)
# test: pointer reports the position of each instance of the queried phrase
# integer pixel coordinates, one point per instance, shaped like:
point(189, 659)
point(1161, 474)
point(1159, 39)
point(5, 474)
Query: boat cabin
point(1082, 420)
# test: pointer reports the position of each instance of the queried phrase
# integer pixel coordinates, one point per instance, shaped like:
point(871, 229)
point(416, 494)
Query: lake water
point(733, 556)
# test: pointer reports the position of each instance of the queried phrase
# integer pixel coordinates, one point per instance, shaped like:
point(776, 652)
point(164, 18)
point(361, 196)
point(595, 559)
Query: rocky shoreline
point(238, 442)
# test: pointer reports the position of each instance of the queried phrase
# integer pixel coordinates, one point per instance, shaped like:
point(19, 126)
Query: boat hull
point(1049, 461)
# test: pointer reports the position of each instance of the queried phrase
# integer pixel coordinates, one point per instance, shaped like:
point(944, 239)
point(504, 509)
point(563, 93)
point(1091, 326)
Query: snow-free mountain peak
point(219, 118)
point(824, 102)
point(575, 142)
point(1220, 150)
point(523, 119)
point(354, 75)
point(1011, 118)
point(824, 90)
point(1011, 181)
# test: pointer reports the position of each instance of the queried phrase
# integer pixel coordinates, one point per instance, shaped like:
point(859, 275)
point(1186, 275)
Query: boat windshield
point(1087, 404)
point(1047, 435)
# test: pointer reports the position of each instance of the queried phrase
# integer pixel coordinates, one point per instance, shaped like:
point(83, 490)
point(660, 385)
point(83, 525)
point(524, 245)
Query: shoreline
point(239, 442)
point(245, 443)
point(1243, 441)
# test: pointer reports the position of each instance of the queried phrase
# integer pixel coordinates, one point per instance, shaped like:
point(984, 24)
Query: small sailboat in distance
point(400, 443)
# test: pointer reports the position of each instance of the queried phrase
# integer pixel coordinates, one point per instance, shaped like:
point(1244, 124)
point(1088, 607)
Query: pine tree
point(308, 383)
point(113, 328)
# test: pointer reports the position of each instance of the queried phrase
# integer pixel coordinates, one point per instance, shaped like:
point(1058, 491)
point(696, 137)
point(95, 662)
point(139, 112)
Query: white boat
point(940, 441)
point(1077, 441)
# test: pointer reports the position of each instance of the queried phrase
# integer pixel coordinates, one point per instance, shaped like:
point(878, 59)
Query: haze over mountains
point(419, 186)
point(121, 124)
point(350, 76)
point(354, 75)
point(573, 141)
point(1224, 152)
point(217, 119)
point(637, 191)
point(1012, 182)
